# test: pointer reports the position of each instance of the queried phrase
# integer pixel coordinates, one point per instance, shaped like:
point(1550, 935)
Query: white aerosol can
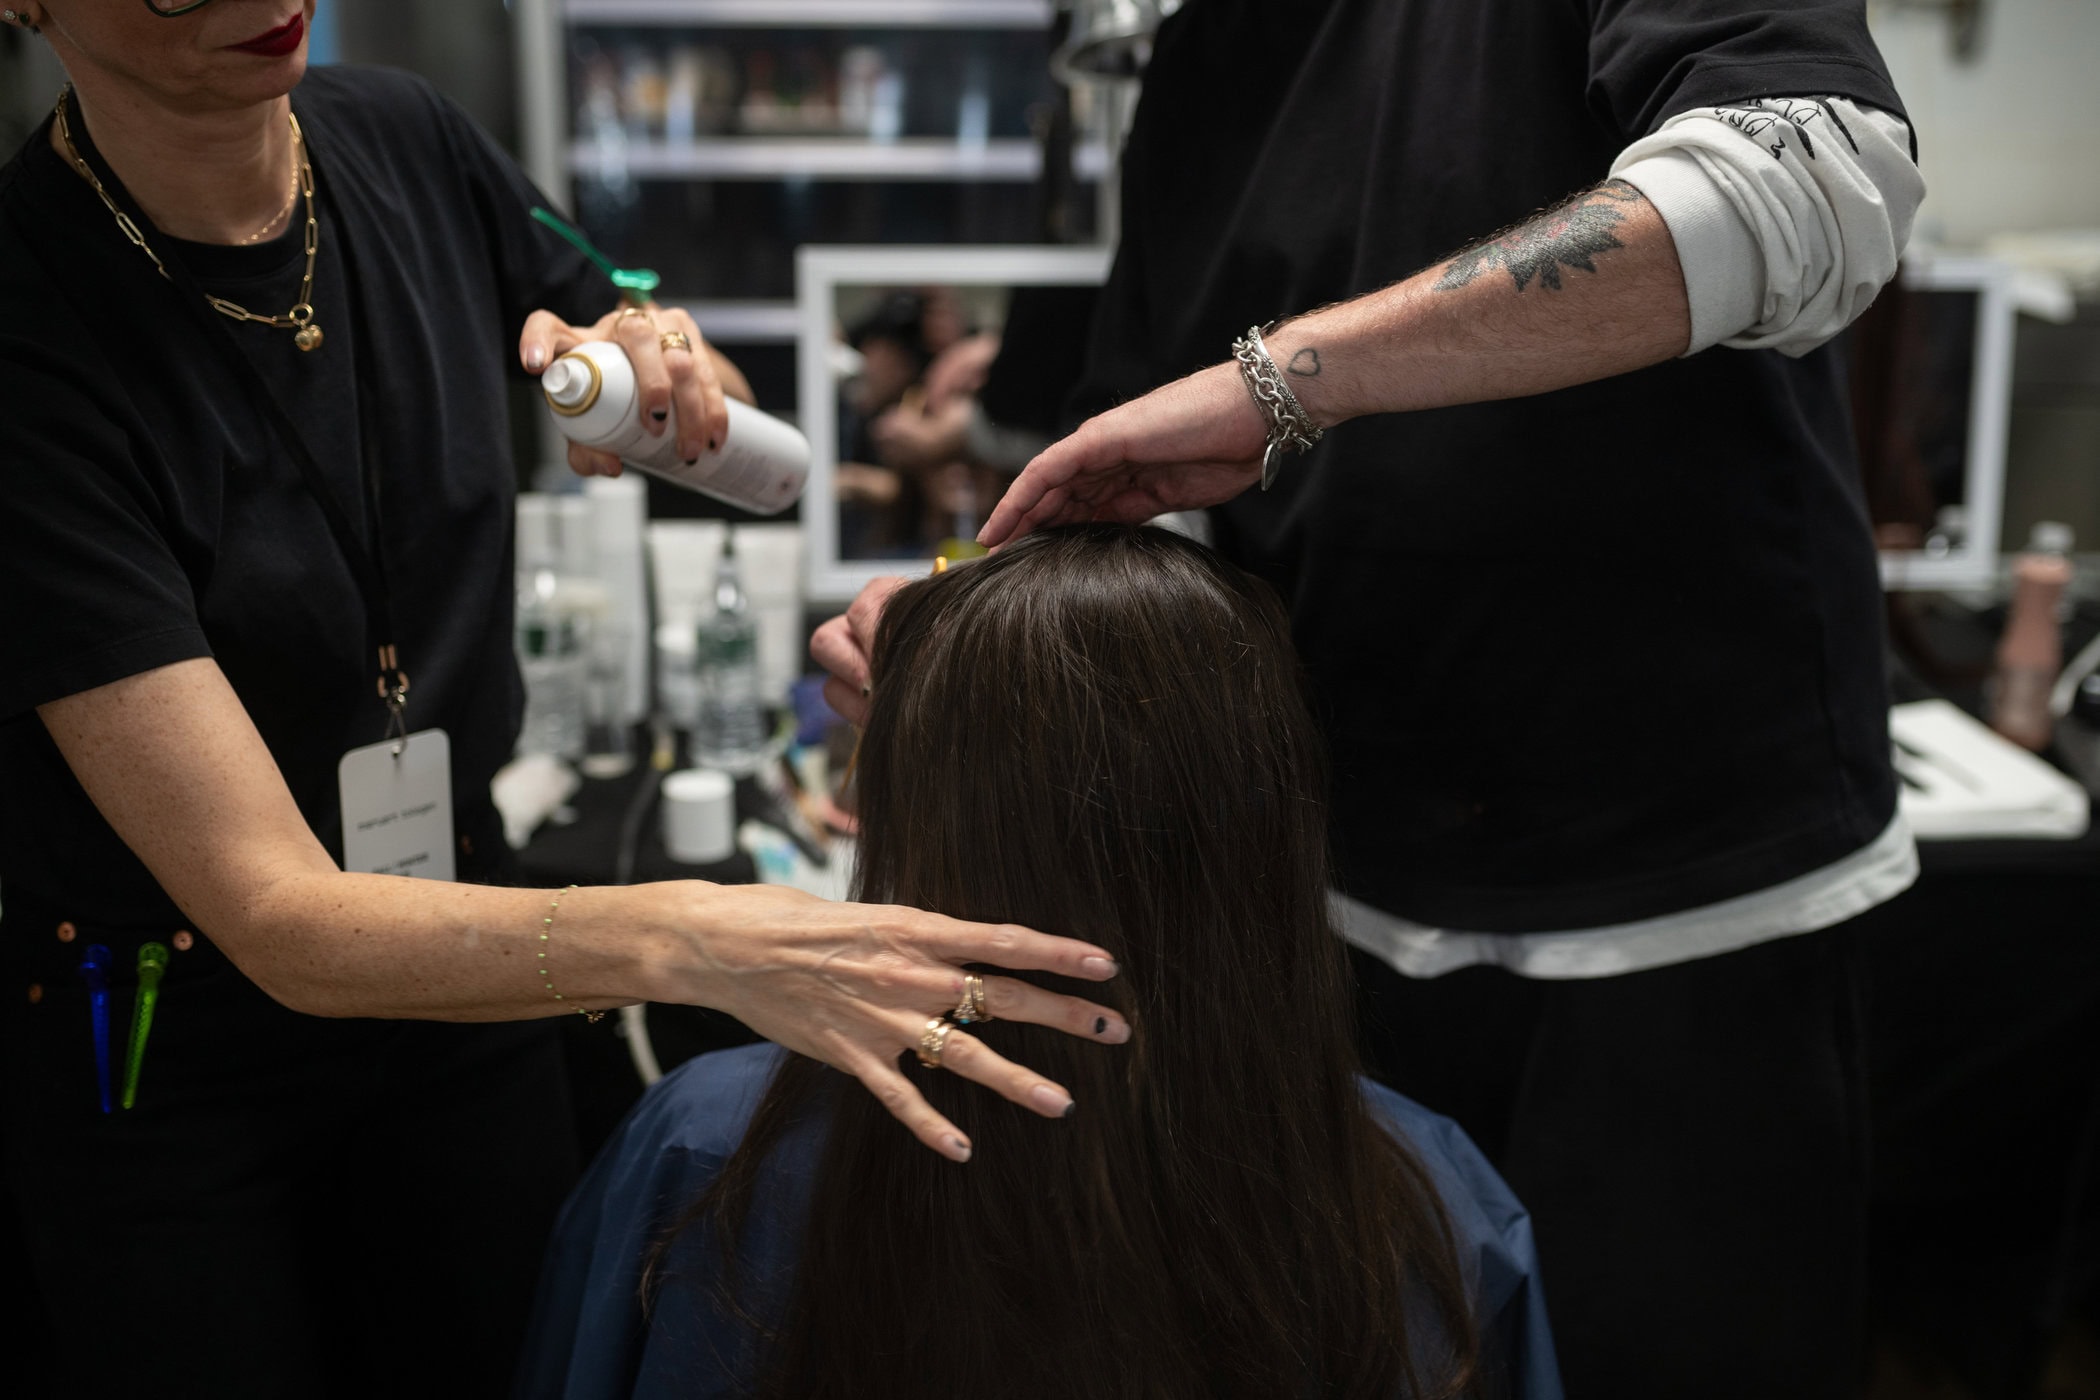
point(760, 466)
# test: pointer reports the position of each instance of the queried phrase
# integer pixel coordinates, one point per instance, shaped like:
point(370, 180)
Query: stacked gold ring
point(675, 340)
point(970, 1010)
point(933, 1040)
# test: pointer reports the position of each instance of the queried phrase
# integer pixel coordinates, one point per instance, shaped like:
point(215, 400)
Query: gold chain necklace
point(300, 319)
point(284, 208)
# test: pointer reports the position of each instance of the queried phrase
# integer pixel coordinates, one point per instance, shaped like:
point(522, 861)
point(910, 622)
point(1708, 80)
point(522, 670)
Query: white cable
point(634, 1024)
point(2066, 692)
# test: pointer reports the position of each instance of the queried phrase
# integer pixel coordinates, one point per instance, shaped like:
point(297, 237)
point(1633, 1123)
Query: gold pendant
point(308, 337)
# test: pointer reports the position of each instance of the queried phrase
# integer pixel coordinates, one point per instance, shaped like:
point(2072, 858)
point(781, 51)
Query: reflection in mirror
point(941, 374)
point(949, 391)
point(918, 357)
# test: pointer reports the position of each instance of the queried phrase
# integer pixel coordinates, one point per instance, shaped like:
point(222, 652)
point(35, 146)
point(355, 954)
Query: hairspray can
point(760, 466)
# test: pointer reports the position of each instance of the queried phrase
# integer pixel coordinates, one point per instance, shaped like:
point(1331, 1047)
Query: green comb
point(636, 282)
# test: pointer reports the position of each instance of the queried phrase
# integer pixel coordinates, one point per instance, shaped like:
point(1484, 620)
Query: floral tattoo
point(1572, 235)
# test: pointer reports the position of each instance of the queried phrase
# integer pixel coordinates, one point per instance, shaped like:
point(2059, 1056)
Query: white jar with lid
point(761, 464)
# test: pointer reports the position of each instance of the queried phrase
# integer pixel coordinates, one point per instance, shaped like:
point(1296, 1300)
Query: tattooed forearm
point(1305, 364)
point(1571, 236)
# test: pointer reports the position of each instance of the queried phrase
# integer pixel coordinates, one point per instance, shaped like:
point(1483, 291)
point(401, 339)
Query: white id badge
point(397, 808)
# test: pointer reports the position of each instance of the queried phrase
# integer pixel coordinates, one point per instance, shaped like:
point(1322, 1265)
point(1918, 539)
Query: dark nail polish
point(659, 414)
point(1101, 1025)
point(1068, 1110)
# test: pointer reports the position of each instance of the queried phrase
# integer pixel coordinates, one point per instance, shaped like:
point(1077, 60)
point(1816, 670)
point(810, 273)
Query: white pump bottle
point(760, 466)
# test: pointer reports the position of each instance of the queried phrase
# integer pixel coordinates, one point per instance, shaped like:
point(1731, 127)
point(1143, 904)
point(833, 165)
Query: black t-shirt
point(1042, 354)
point(152, 515)
point(1586, 657)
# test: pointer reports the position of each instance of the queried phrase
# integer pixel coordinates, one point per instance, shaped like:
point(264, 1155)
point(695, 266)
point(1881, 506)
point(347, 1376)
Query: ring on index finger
point(932, 1041)
point(970, 1010)
point(675, 340)
point(641, 311)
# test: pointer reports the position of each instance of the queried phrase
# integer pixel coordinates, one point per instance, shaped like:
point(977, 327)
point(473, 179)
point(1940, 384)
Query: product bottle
point(553, 659)
point(973, 114)
point(560, 610)
point(682, 96)
point(761, 464)
point(2030, 653)
point(730, 734)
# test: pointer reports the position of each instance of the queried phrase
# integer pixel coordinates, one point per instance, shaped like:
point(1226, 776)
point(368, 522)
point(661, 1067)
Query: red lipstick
point(279, 41)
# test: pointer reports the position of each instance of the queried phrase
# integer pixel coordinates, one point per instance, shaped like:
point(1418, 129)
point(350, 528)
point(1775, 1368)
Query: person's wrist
point(712, 938)
point(667, 937)
point(1295, 347)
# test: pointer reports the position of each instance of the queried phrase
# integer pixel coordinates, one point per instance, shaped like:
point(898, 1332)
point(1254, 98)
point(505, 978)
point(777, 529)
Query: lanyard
point(365, 564)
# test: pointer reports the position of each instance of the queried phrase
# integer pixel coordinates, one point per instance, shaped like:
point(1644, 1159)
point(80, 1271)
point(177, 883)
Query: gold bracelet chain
point(546, 977)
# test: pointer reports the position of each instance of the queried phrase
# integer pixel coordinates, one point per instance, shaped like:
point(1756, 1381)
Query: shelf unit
point(747, 322)
point(812, 14)
point(830, 158)
point(736, 181)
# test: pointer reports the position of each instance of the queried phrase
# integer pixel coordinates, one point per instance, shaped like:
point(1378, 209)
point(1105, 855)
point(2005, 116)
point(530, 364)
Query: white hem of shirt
point(1845, 889)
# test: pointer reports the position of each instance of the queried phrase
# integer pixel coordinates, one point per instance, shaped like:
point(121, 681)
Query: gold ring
point(932, 1041)
point(970, 1010)
point(675, 340)
point(641, 311)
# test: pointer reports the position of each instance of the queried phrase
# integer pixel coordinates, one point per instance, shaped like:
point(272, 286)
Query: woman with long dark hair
point(1099, 730)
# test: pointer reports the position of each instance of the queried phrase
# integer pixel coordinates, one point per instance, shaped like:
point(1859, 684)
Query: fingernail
point(1098, 967)
point(1055, 1102)
point(958, 1149)
point(535, 357)
point(1111, 1032)
point(1100, 1025)
point(688, 453)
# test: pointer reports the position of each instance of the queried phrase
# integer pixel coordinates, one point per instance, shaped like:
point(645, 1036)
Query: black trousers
point(296, 1207)
point(1692, 1145)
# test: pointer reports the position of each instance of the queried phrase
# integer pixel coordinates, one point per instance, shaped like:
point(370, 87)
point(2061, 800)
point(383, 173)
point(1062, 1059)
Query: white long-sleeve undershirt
point(1789, 214)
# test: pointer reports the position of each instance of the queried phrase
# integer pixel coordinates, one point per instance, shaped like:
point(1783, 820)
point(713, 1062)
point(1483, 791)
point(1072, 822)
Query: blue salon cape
point(590, 1339)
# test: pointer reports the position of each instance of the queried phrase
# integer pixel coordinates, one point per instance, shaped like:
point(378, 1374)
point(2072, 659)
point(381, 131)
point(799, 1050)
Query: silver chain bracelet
point(1291, 428)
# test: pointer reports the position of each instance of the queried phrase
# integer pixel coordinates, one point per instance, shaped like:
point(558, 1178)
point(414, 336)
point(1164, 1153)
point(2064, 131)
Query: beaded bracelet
point(546, 977)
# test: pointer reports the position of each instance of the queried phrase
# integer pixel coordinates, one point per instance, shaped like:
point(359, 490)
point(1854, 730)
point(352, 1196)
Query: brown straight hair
point(1099, 732)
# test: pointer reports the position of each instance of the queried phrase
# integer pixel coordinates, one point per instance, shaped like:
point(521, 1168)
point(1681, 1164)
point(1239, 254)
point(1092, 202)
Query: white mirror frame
point(1975, 564)
point(819, 272)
